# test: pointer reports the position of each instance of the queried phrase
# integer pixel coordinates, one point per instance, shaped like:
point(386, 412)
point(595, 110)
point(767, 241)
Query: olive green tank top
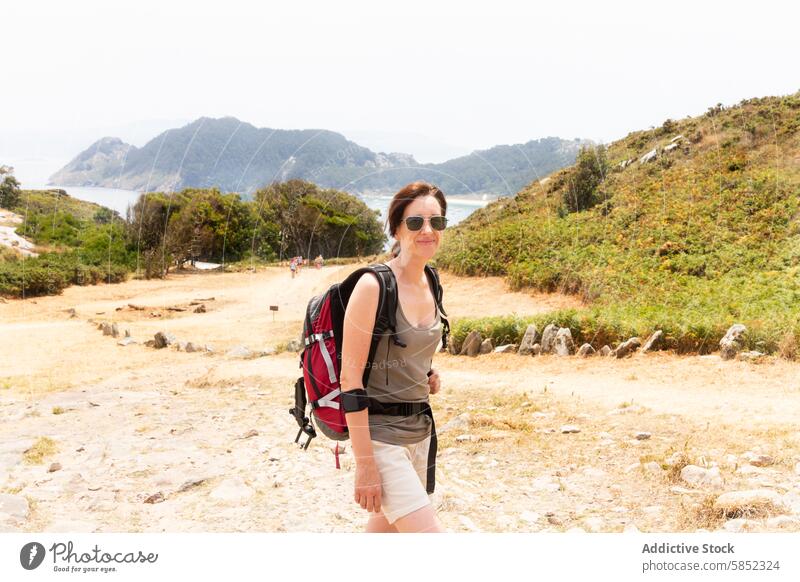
point(401, 375)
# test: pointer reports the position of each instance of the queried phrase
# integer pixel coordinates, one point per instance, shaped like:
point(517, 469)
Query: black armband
point(354, 400)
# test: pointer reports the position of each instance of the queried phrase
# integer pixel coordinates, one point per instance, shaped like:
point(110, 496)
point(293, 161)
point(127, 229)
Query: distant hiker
point(395, 454)
point(318, 261)
point(293, 267)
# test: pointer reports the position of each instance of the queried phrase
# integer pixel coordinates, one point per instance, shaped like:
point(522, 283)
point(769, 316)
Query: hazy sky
point(432, 79)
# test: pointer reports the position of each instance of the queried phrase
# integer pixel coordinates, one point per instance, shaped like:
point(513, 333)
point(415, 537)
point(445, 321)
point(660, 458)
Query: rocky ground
point(103, 437)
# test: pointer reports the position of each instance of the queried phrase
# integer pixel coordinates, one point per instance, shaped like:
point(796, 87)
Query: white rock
point(730, 460)
point(700, 477)
point(232, 490)
point(14, 505)
point(781, 520)
point(653, 468)
point(460, 422)
point(569, 429)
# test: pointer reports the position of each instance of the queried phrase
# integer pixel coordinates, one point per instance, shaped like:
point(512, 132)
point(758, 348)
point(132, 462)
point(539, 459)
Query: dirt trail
point(207, 437)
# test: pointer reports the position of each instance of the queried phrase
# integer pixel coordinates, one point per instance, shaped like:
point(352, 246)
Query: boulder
point(106, 327)
point(459, 423)
point(486, 346)
point(452, 348)
point(126, 341)
point(654, 342)
point(114, 330)
point(752, 501)
point(733, 342)
point(163, 340)
point(506, 349)
point(549, 338)
point(240, 352)
point(537, 350)
point(627, 347)
point(751, 356)
point(586, 350)
point(700, 477)
point(472, 344)
point(606, 351)
point(530, 337)
point(649, 156)
point(564, 346)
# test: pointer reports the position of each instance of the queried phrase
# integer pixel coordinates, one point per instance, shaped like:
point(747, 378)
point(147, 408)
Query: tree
point(9, 188)
point(311, 220)
point(588, 174)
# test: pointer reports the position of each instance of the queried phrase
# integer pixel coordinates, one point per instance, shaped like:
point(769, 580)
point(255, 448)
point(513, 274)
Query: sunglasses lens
point(414, 222)
point(438, 222)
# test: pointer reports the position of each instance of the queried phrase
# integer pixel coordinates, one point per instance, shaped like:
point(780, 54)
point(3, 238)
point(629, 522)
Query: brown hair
point(402, 199)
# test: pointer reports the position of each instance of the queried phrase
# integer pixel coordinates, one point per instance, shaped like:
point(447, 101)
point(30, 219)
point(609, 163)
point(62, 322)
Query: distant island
point(236, 156)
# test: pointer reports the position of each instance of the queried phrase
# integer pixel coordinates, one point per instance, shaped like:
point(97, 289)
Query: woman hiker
point(391, 452)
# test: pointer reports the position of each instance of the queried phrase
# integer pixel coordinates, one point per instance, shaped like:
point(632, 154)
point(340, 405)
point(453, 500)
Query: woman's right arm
point(359, 321)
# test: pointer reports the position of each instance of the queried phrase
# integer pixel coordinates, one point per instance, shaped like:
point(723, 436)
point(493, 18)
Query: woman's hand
point(434, 382)
point(368, 484)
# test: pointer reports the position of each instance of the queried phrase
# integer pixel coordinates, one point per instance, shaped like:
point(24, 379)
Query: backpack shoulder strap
point(436, 286)
point(386, 315)
point(438, 293)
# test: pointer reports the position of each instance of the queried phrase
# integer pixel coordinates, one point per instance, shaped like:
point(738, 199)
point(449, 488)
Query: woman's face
point(425, 241)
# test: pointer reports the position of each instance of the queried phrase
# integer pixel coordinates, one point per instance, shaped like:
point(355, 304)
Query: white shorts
point(404, 474)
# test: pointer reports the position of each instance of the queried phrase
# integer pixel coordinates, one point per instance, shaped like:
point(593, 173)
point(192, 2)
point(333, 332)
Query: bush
point(588, 173)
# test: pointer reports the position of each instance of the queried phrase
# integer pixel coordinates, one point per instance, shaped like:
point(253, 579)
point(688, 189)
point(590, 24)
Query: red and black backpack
point(321, 356)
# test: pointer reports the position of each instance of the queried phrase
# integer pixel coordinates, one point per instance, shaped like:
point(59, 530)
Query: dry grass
point(704, 514)
point(787, 348)
point(42, 448)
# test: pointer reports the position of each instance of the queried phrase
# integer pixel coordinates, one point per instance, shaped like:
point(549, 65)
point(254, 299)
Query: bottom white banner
point(355, 557)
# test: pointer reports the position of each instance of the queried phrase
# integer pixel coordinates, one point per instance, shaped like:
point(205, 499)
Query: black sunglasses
point(416, 222)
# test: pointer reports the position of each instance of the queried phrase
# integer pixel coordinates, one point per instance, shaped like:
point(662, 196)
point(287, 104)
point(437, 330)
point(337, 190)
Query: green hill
point(703, 235)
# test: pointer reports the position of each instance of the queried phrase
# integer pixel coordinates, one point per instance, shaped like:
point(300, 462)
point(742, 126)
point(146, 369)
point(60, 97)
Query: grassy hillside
point(78, 242)
point(705, 235)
